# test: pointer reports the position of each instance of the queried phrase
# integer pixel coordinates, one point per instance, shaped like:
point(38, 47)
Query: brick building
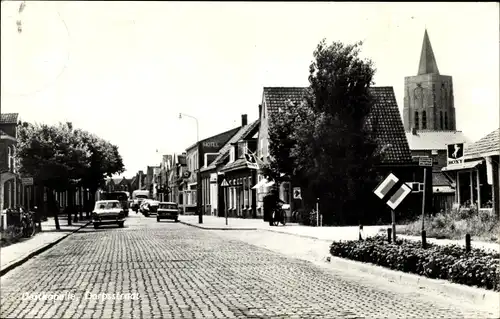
point(230, 165)
point(385, 120)
point(10, 184)
point(196, 156)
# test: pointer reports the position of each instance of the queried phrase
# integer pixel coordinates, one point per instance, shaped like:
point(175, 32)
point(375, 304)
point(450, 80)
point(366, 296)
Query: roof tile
point(434, 140)
point(488, 144)
point(389, 123)
point(239, 163)
point(224, 151)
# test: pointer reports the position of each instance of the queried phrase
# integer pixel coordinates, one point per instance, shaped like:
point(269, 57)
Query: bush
point(475, 268)
point(456, 224)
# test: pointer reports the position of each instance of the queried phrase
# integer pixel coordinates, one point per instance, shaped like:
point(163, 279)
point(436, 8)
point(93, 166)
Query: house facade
point(385, 120)
point(177, 180)
point(216, 198)
point(162, 186)
point(476, 178)
point(10, 182)
point(138, 181)
point(196, 156)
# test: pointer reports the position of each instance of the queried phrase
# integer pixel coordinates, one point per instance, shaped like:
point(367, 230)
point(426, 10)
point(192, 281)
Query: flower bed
point(475, 268)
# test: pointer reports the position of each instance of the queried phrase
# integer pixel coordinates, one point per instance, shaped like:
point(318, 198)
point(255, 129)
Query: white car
point(149, 207)
point(108, 212)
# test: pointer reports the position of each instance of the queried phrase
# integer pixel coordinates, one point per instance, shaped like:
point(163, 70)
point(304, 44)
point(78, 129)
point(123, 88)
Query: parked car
point(168, 210)
point(149, 207)
point(108, 212)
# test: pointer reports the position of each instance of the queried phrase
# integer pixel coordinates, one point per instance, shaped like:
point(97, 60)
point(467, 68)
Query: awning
point(442, 189)
point(260, 184)
point(458, 167)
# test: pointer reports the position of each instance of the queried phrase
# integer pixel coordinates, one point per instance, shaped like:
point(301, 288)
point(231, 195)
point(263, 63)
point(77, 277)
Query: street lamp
point(198, 174)
point(194, 118)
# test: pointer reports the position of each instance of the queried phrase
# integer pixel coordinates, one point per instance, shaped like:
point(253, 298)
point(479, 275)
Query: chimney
point(414, 130)
point(260, 110)
point(244, 120)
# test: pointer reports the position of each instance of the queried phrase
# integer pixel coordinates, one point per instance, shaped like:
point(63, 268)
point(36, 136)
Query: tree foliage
point(323, 142)
point(59, 156)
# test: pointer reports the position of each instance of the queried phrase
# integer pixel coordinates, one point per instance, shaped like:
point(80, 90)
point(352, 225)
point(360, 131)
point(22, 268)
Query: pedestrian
point(271, 204)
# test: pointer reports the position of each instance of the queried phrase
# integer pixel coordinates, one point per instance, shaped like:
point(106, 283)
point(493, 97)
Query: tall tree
point(53, 155)
point(105, 161)
point(325, 138)
point(62, 158)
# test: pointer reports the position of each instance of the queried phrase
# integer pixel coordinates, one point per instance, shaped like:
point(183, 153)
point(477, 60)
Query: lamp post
point(198, 173)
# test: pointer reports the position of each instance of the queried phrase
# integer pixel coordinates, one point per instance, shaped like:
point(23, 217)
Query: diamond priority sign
point(392, 190)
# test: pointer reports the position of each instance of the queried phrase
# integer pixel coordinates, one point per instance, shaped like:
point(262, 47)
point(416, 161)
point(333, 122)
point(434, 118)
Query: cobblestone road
point(171, 270)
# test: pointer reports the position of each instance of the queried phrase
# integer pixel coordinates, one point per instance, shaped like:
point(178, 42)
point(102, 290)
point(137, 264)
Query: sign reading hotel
point(455, 153)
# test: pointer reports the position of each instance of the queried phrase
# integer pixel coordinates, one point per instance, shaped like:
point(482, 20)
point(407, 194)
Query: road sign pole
point(317, 212)
point(423, 197)
point(225, 203)
point(393, 217)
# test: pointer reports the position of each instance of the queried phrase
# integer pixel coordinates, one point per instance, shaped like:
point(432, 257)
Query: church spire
point(427, 60)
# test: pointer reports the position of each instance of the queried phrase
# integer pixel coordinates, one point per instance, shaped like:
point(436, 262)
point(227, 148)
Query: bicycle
point(28, 224)
point(279, 216)
point(13, 232)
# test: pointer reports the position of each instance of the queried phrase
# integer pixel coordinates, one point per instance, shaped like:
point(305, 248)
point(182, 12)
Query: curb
point(475, 295)
point(38, 251)
point(214, 228)
point(297, 235)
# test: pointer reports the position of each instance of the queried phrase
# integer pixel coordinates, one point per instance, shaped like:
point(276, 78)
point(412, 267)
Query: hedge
point(475, 268)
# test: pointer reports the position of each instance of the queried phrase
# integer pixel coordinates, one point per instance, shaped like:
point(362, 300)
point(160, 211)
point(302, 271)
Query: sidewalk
point(327, 233)
point(17, 253)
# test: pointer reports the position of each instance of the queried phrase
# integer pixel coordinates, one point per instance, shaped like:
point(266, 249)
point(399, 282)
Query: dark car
point(167, 210)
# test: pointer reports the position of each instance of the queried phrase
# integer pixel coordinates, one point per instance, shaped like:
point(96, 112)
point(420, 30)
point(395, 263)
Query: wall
point(437, 96)
point(439, 161)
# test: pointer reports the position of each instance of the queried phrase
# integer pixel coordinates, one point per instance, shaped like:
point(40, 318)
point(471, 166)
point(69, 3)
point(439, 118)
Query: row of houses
point(213, 175)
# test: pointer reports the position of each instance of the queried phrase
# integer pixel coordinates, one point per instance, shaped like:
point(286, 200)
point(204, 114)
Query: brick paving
point(14, 252)
point(177, 271)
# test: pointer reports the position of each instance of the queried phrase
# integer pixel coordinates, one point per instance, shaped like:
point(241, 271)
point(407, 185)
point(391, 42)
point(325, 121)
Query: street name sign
point(425, 161)
point(27, 181)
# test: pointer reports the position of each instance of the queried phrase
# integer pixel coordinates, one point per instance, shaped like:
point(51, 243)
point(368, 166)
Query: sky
point(125, 70)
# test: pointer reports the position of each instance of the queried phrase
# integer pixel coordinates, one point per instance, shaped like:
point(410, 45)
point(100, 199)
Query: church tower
point(428, 99)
